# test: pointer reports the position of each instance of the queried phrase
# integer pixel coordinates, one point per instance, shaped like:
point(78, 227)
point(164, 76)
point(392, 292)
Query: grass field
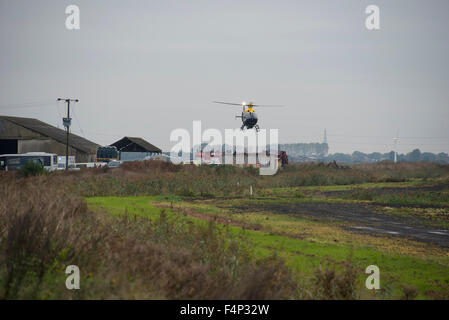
point(151, 230)
point(306, 244)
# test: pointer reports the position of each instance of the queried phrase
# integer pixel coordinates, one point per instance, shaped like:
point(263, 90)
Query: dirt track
point(360, 218)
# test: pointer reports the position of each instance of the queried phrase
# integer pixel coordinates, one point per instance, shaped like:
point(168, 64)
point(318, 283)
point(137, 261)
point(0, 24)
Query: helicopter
point(249, 116)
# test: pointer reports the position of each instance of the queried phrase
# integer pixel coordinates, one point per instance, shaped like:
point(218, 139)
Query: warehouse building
point(22, 135)
point(131, 148)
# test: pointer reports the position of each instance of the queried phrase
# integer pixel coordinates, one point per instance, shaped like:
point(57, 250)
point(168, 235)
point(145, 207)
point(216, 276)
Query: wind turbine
point(395, 140)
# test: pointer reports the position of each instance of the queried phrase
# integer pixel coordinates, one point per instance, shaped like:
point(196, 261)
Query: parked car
point(101, 164)
point(73, 167)
point(114, 163)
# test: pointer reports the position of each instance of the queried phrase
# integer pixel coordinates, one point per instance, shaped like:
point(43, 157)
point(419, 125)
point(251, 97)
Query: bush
point(331, 284)
point(32, 169)
point(42, 230)
point(409, 292)
point(186, 192)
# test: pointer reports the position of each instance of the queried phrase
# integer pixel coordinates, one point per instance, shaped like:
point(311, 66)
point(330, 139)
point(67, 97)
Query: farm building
point(22, 135)
point(131, 148)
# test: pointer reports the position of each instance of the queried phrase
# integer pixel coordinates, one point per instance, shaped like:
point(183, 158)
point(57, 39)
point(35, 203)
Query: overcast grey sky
point(143, 68)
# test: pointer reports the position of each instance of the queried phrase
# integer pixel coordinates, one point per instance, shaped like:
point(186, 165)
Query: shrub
point(409, 292)
point(32, 169)
point(331, 284)
point(41, 230)
point(186, 192)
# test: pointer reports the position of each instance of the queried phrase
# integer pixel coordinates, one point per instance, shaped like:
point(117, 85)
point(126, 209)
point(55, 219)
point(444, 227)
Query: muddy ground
point(359, 218)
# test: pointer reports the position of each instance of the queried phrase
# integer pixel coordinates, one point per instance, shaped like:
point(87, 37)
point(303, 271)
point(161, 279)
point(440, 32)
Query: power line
point(59, 113)
point(31, 104)
point(79, 125)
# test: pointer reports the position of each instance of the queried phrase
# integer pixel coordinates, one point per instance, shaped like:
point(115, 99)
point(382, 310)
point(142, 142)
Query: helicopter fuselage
point(249, 119)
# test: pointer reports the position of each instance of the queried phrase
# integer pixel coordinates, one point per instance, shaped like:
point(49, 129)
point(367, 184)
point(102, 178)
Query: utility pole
point(67, 122)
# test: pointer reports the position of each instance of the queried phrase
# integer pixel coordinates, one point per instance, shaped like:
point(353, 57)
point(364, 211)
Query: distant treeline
point(414, 156)
point(306, 152)
point(300, 150)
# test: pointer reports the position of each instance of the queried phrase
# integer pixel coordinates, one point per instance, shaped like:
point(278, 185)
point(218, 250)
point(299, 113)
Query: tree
point(340, 157)
point(375, 156)
point(414, 156)
point(428, 156)
point(358, 156)
point(390, 156)
point(442, 158)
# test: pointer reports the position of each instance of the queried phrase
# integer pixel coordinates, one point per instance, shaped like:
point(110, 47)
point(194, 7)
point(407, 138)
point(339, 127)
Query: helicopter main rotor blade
point(232, 104)
point(267, 105)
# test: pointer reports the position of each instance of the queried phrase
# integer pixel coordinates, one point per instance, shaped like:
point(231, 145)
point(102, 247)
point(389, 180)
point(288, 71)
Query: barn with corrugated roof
point(22, 135)
point(131, 148)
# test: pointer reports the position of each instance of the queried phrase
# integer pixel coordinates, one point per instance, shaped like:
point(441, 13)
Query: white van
point(10, 162)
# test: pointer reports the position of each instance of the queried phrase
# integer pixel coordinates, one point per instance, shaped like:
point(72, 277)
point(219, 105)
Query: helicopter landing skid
point(255, 127)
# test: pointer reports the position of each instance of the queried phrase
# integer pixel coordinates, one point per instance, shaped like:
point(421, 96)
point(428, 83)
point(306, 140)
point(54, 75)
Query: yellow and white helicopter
point(249, 116)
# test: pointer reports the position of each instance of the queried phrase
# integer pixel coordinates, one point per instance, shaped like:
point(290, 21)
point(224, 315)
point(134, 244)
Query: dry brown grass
point(39, 228)
point(156, 178)
point(43, 229)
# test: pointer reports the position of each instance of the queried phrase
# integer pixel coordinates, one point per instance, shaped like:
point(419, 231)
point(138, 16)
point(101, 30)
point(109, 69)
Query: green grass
point(290, 191)
point(421, 198)
point(395, 269)
point(424, 273)
point(127, 205)
point(366, 192)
